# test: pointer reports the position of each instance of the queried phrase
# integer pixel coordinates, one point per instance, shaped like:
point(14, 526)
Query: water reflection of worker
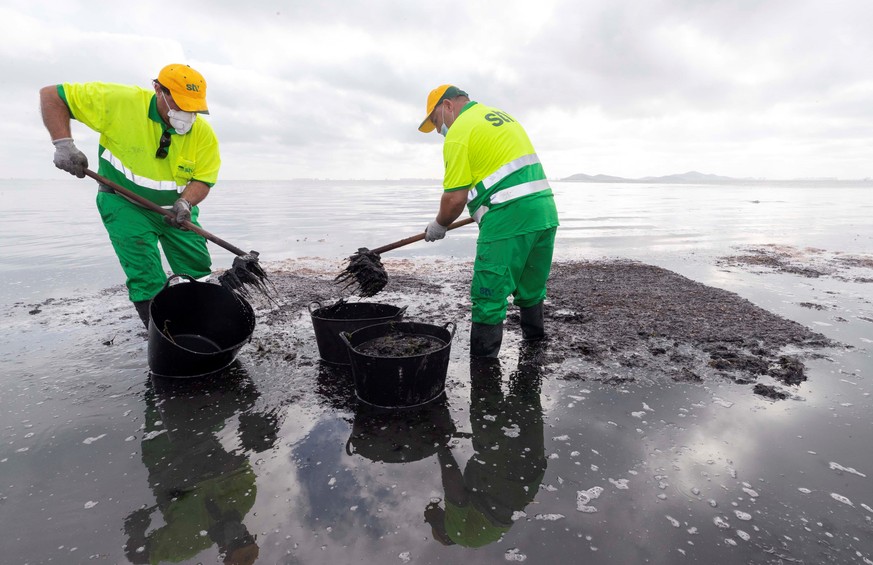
point(504, 473)
point(203, 491)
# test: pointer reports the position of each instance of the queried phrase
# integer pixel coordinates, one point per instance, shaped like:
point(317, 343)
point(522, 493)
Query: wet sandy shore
point(663, 420)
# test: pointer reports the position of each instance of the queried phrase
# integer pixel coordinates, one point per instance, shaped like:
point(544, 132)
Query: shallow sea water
point(278, 464)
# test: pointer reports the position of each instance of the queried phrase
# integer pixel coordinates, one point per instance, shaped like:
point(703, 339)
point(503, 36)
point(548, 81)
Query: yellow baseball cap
point(436, 96)
point(187, 86)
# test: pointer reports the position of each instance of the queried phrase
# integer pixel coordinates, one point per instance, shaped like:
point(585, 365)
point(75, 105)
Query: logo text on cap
point(193, 87)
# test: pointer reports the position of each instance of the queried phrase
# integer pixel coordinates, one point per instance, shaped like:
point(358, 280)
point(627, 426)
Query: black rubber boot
point(485, 339)
point(142, 308)
point(532, 323)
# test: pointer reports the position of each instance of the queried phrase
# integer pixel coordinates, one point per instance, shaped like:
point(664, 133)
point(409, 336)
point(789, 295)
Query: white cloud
point(333, 89)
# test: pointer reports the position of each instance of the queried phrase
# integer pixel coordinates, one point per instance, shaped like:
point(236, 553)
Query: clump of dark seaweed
point(365, 271)
point(246, 273)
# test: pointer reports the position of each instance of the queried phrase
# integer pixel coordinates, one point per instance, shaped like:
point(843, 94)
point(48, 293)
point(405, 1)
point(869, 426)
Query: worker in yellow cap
point(492, 169)
point(151, 143)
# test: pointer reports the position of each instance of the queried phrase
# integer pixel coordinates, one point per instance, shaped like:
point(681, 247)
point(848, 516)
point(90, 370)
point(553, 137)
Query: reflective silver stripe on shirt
point(508, 169)
point(136, 179)
point(512, 193)
point(480, 211)
point(518, 191)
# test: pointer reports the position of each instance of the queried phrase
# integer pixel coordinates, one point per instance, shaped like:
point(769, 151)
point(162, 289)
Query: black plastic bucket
point(196, 328)
point(329, 321)
point(401, 436)
point(399, 382)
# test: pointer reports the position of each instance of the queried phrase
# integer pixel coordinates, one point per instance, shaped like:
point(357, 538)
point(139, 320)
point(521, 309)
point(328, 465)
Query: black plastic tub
point(196, 329)
point(329, 321)
point(400, 381)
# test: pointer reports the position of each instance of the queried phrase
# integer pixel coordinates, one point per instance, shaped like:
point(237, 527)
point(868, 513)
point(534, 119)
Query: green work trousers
point(135, 233)
point(518, 266)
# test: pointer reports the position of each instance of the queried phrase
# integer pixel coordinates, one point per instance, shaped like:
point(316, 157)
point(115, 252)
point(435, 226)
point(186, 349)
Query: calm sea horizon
point(52, 243)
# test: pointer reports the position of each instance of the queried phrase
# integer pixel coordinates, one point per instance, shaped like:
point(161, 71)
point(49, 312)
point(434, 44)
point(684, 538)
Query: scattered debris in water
point(813, 306)
point(769, 391)
point(807, 262)
point(583, 497)
point(837, 467)
point(789, 370)
point(549, 517)
point(620, 484)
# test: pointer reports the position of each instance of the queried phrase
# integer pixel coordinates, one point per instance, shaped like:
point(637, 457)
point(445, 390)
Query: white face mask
point(180, 120)
point(444, 129)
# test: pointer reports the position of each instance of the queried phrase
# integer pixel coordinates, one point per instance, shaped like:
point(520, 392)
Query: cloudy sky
point(336, 88)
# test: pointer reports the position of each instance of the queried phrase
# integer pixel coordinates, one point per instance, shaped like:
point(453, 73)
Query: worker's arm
point(55, 114)
point(56, 117)
point(193, 195)
point(195, 192)
point(451, 205)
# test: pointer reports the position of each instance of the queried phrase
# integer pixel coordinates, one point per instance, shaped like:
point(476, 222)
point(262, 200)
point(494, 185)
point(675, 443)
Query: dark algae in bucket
point(329, 321)
point(399, 364)
point(398, 344)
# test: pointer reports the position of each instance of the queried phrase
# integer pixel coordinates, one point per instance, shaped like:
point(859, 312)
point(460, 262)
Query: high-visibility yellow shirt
point(488, 152)
point(130, 130)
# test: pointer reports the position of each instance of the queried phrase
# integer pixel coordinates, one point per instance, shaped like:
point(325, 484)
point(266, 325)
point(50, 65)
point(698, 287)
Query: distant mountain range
point(694, 177)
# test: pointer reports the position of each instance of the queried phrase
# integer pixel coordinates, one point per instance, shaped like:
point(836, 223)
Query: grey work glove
point(69, 158)
point(434, 231)
point(181, 213)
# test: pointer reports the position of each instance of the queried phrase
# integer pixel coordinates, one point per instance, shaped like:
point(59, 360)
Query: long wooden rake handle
point(155, 208)
point(419, 237)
